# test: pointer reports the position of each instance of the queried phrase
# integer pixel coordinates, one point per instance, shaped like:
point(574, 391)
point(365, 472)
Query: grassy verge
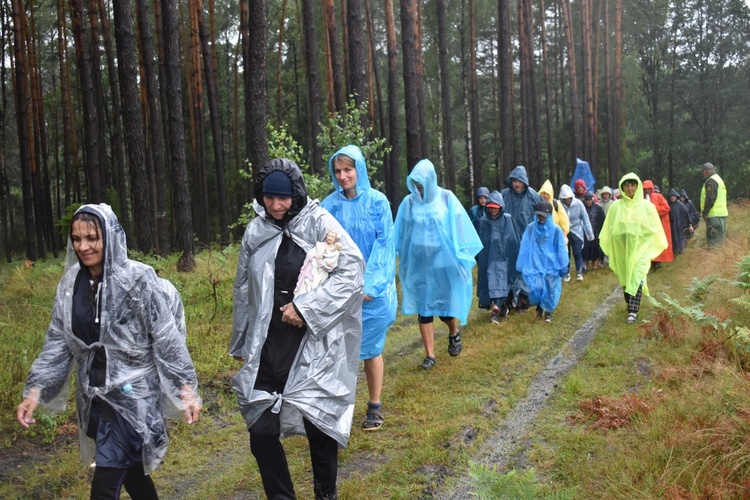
point(435, 421)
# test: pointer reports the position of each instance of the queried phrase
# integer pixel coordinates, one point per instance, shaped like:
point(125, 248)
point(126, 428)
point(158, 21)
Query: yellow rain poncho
point(632, 236)
point(559, 214)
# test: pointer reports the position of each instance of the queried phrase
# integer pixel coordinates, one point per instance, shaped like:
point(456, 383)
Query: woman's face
point(606, 196)
point(493, 211)
point(546, 196)
point(88, 245)
point(277, 206)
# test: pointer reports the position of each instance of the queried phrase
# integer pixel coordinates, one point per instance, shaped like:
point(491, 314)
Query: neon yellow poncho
point(632, 237)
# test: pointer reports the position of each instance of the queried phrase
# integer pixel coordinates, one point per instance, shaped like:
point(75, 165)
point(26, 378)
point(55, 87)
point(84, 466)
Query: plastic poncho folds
point(662, 208)
point(580, 225)
point(520, 206)
point(631, 237)
point(583, 172)
point(679, 221)
point(543, 261)
point(436, 243)
point(368, 220)
point(323, 377)
point(605, 203)
point(559, 214)
point(142, 335)
point(497, 260)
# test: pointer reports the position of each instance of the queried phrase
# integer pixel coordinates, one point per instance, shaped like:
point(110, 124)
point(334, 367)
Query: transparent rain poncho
point(632, 236)
point(497, 260)
point(436, 243)
point(142, 334)
point(368, 220)
point(543, 261)
point(323, 378)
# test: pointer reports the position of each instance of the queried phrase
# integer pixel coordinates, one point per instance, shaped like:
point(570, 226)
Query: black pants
point(634, 301)
point(274, 470)
point(108, 483)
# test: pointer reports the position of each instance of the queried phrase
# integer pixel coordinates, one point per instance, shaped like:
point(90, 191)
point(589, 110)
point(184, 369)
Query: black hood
point(291, 170)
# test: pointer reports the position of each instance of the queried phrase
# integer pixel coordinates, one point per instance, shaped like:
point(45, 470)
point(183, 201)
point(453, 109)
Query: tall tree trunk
point(88, 100)
point(419, 64)
point(529, 107)
point(588, 81)
point(313, 87)
point(279, 59)
point(101, 104)
point(547, 96)
point(155, 126)
point(180, 187)
point(255, 87)
point(338, 83)
point(4, 193)
point(476, 137)
point(67, 117)
point(609, 91)
point(133, 125)
point(573, 81)
point(355, 21)
point(617, 118)
point(409, 34)
point(376, 94)
point(468, 110)
point(505, 71)
point(393, 160)
point(118, 153)
point(213, 110)
point(445, 98)
point(22, 125)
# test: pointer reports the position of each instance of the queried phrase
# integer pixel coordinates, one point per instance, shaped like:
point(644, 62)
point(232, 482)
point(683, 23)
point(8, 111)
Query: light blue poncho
point(436, 243)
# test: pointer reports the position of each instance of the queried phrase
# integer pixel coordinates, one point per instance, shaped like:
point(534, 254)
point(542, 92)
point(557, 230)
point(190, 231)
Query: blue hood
point(353, 152)
point(423, 173)
point(518, 173)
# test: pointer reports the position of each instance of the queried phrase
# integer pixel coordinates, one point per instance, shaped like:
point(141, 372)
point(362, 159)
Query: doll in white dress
point(319, 262)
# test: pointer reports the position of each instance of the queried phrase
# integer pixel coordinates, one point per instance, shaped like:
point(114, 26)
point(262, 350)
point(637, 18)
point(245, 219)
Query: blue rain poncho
point(496, 261)
point(583, 171)
point(436, 243)
point(679, 221)
point(142, 334)
point(323, 377)
point(520, 206)
point(368, 220)
point(543, 261)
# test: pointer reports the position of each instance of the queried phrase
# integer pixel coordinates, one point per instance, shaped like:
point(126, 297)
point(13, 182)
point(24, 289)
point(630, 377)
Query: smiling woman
point(87, 242)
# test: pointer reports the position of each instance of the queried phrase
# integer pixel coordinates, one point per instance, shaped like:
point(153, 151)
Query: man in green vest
point(713, 205)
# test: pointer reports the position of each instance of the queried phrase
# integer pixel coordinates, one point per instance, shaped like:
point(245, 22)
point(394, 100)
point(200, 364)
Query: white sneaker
point(632, 318)
point(566, 278)
point(579, 277)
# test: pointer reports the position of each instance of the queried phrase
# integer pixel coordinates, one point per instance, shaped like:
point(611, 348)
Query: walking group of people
point(314, 294)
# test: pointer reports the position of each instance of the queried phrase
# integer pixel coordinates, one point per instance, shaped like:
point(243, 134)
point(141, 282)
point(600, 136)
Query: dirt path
point(510, 442)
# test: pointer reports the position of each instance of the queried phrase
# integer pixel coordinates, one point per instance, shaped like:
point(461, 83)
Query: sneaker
point(495, 318)
point(579, 277)
point(632, 318)
point(566, 278)
point(539, 312)
point(504, 311)
point(428, 363)
point(548, 317)
point(454, 344)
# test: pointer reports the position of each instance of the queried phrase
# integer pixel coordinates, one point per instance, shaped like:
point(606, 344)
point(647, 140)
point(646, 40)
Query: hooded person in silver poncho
point(300, 353)
point(124, 328)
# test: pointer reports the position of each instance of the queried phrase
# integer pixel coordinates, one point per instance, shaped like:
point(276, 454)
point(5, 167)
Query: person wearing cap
point(631, 237)
point(580, 229)
point(520, 199)
point(713, 205)
point(436, 244)
point(662, 208)
point(591, 251)
point(299, 353)
point(365, 213)
point(559, 214)
point(477, 211)
point(496, 261)
point(543, 261)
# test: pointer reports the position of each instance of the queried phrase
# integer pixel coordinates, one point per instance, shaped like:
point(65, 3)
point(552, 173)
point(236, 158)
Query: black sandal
point(454, 344)
point(373, 420)
point(428, 363)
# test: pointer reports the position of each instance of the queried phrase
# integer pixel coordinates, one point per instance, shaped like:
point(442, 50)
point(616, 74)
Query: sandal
point(373, 420)
point(454, 344)
point(428, 363)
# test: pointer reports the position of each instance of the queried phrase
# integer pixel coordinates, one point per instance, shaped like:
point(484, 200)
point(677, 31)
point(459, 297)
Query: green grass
point(436, 421)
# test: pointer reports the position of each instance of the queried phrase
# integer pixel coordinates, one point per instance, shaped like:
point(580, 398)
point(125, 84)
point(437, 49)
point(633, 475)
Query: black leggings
point(274, 470)
point(108, 483)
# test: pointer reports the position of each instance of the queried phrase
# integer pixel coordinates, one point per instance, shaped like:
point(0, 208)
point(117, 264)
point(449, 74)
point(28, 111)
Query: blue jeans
point(575, 244)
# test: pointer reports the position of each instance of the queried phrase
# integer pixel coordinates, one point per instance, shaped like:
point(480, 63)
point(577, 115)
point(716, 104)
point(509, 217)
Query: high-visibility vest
point(720, 206)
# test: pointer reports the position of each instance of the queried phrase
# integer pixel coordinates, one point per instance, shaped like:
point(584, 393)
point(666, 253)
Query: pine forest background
point(164, 108)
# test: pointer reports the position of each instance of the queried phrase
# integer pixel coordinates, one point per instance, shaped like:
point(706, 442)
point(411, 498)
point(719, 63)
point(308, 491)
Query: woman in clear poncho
point(366, 215)
point(436, 243)
point(300, 353)
point(631, 237)
point(123, 327)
